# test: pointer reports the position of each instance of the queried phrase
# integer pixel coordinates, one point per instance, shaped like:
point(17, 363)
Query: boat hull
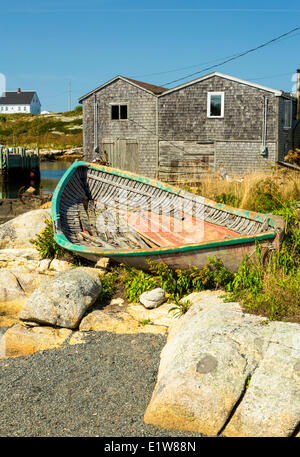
point(231, 256)
point(265, 230)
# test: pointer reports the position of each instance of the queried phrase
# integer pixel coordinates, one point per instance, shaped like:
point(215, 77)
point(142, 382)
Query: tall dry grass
point(285, 184)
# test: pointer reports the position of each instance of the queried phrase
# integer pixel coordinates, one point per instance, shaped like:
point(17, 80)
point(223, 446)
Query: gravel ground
point(99, 388)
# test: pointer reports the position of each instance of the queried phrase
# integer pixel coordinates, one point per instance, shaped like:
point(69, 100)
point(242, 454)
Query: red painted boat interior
point(164, 230)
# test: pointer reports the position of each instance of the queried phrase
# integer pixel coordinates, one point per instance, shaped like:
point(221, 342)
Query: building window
point(215, 104)
point(118, 112)
point(25, 109)
point(287, 114)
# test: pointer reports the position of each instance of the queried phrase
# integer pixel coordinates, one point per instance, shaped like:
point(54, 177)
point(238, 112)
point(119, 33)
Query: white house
point(20, 102)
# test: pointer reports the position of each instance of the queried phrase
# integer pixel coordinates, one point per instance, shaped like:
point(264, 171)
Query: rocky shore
point(82, 367)
point(61, 154)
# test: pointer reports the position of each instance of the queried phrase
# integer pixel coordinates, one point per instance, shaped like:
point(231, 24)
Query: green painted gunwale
point(62, 240)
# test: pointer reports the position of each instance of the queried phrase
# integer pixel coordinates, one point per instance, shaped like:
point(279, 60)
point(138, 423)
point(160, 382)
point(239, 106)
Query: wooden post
point(23, 158)
point(1, 159)
point(38, 157)
point(6, 154)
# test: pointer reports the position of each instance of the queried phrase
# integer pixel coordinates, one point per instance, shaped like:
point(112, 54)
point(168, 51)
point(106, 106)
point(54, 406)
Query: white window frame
point(291, 114)
point(209, 95)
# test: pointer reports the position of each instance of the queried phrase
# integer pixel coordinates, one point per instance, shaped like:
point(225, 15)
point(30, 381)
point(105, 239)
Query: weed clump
point(45, 243)
point(177, 283)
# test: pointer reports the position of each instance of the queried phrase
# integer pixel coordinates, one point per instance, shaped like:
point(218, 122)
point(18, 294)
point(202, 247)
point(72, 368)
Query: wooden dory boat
point(99, 211)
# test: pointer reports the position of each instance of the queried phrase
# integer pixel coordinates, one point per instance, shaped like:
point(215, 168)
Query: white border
point(209, 94)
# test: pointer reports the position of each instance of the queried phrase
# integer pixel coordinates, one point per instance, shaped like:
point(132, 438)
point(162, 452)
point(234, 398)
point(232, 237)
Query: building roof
point(17, 98)
point(155, 90)
point(230, 78)
point(163, 91)
point(151, 87)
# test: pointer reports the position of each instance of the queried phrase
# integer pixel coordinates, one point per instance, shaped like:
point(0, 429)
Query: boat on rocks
point(98, 211)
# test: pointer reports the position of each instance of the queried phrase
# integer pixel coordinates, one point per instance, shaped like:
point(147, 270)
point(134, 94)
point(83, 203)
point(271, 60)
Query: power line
point(182, 68)
point(195, 65)
point(235, 57)
point(270, 76)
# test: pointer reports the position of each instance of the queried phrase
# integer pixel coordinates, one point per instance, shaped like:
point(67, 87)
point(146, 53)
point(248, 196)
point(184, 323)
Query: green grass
point(266, 284)
point(51, 131)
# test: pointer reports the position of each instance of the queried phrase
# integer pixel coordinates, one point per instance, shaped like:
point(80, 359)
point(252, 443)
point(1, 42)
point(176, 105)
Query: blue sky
point(45, 44)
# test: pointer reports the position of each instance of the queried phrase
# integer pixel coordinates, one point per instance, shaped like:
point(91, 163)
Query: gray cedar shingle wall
point(189, 142)
point(183, 117)
point(242, 157)
point(141, 109)
point(184, 112)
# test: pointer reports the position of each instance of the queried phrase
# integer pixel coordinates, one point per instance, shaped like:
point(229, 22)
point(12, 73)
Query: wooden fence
point(18, 160)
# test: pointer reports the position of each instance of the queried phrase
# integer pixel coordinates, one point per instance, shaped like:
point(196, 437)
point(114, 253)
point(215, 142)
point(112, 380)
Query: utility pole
point(69, 97)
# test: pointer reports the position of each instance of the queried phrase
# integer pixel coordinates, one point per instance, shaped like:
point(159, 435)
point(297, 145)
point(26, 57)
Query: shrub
point(278, 299)
point(177, 283)
point(136, 282)
point(266, 196)
point(293, 157)
point(108, 282)
point(45, 243)
point(271, 287)
point(228, 199)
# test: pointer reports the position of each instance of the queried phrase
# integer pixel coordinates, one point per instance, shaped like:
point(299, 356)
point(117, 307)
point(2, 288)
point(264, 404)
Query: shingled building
point(211, 122)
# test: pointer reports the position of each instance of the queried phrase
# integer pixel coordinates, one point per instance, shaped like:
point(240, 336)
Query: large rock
point(118, 323)
point(153, 298)
point(216, 358)
point(63, 300)
point(10, 288)
point(159, 316)
point(15, 286)
point(20, 340)
point(271, 405)
point(18, 232)
point(24, 258)
point(59, 265)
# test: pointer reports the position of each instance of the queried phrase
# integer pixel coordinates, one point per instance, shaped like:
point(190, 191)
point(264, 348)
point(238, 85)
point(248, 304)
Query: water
point(51, 172)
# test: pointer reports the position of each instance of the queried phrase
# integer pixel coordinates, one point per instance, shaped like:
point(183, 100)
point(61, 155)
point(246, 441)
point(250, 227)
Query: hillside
point(53, 131)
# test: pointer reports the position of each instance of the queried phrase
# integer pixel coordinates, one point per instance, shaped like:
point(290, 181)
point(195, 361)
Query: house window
point(287, 114)
point(215, 104)
point(118, 112)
